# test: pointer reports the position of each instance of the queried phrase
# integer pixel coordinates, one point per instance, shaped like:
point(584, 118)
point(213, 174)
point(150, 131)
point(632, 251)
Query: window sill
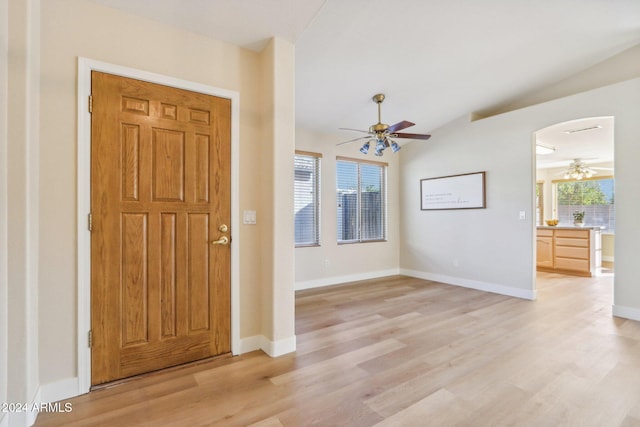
point(310, 245)
point(351, 242)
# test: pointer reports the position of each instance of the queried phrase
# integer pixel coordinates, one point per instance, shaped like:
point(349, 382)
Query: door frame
point(83, 256)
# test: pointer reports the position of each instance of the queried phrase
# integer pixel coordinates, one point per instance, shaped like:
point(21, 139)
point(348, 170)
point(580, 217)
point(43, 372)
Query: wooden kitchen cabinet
point(569, 250)
point(544, 248)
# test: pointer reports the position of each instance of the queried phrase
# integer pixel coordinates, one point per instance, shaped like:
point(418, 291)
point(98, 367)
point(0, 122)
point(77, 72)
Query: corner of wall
point(22, 201)
point(271, 348)
point(278, 303)
point(528, 294)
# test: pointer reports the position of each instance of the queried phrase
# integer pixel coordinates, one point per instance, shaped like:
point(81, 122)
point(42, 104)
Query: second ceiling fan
point(381, 133)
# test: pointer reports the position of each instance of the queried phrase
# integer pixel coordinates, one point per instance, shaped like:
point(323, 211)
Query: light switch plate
point(523, 215)
point(249, 217)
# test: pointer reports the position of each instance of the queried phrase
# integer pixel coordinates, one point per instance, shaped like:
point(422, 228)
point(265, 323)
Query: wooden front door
point(160, 197)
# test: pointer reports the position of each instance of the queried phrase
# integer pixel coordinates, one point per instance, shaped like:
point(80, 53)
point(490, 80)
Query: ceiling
point(589, 139)
point(246, 23)
point(435, 61)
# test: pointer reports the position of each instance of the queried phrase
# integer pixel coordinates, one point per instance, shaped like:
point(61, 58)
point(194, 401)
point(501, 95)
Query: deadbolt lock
point(223, 228)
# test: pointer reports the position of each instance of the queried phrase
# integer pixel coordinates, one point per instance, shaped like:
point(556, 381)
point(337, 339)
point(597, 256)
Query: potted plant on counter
point(578, 218)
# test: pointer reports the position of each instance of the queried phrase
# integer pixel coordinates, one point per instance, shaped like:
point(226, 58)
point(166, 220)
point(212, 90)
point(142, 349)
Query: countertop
point(571, 227)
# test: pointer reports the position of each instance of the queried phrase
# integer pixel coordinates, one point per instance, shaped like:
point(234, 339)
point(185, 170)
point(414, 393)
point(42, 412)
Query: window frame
point(317, 157)
point(540, 203)
point(384, 205)
point(554, 186)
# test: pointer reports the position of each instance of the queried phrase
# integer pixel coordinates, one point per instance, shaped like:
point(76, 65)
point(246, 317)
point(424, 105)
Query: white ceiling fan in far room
point(579, 170)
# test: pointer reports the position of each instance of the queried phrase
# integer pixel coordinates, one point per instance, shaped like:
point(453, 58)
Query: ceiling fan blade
point(412, 135)
point(355, 139)
point(357, 130)
point(399, 126)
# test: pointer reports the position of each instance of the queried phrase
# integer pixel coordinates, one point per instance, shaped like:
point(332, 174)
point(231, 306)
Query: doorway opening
point(575, 198)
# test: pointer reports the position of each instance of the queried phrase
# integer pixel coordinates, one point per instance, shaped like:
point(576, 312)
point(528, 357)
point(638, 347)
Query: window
point(361, 201)
point(307, 198)
point(593, 196)
point(539, 203)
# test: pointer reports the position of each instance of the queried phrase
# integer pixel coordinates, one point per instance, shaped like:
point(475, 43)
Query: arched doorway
point(575, 180)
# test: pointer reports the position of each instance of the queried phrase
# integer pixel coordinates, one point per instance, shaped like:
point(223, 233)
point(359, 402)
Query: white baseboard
point(626, 312)
point(272, 348)
point(280, 347)
point(337, 280)
point(529, 294)
point(48, 393)
point(249, 344)
point(22, 418)
point(33, 415)
point(607, 258)
point(17, 419)
point(60, 390)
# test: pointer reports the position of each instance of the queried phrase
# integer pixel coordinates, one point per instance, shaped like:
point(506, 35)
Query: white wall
point(618, 68)
point(491, 248)
point(331, 263)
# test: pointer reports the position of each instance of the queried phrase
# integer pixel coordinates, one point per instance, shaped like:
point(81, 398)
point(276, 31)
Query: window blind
point(307, 199)
point(594, 196)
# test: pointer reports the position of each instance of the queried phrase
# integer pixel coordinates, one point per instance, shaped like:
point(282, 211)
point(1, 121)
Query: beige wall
point(331, 263)
point(22, 222)
point(73, 28)
point(4, 319)
point(276, 151)
point(608, 245)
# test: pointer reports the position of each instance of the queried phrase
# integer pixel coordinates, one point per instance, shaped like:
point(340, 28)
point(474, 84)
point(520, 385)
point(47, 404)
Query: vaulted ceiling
point(435, 61)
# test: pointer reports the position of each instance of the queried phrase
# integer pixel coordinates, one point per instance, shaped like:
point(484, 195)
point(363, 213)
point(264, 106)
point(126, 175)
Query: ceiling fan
point(381, 133)
point(578, 169)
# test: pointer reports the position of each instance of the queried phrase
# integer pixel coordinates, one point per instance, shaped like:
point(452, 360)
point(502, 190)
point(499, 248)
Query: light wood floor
point(407, 352)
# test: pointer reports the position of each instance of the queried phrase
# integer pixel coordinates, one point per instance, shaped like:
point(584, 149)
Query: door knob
point(224, 240)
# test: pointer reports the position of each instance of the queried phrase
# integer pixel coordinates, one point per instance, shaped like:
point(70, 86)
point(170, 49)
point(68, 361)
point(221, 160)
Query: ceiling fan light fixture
point(365, 148)
point(381, 132)
point(578, 170)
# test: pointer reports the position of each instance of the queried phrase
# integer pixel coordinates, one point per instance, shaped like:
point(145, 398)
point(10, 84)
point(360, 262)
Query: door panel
point(160, 189)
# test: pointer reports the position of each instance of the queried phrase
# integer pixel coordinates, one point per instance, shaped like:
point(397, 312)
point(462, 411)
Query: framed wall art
point(464, 191)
